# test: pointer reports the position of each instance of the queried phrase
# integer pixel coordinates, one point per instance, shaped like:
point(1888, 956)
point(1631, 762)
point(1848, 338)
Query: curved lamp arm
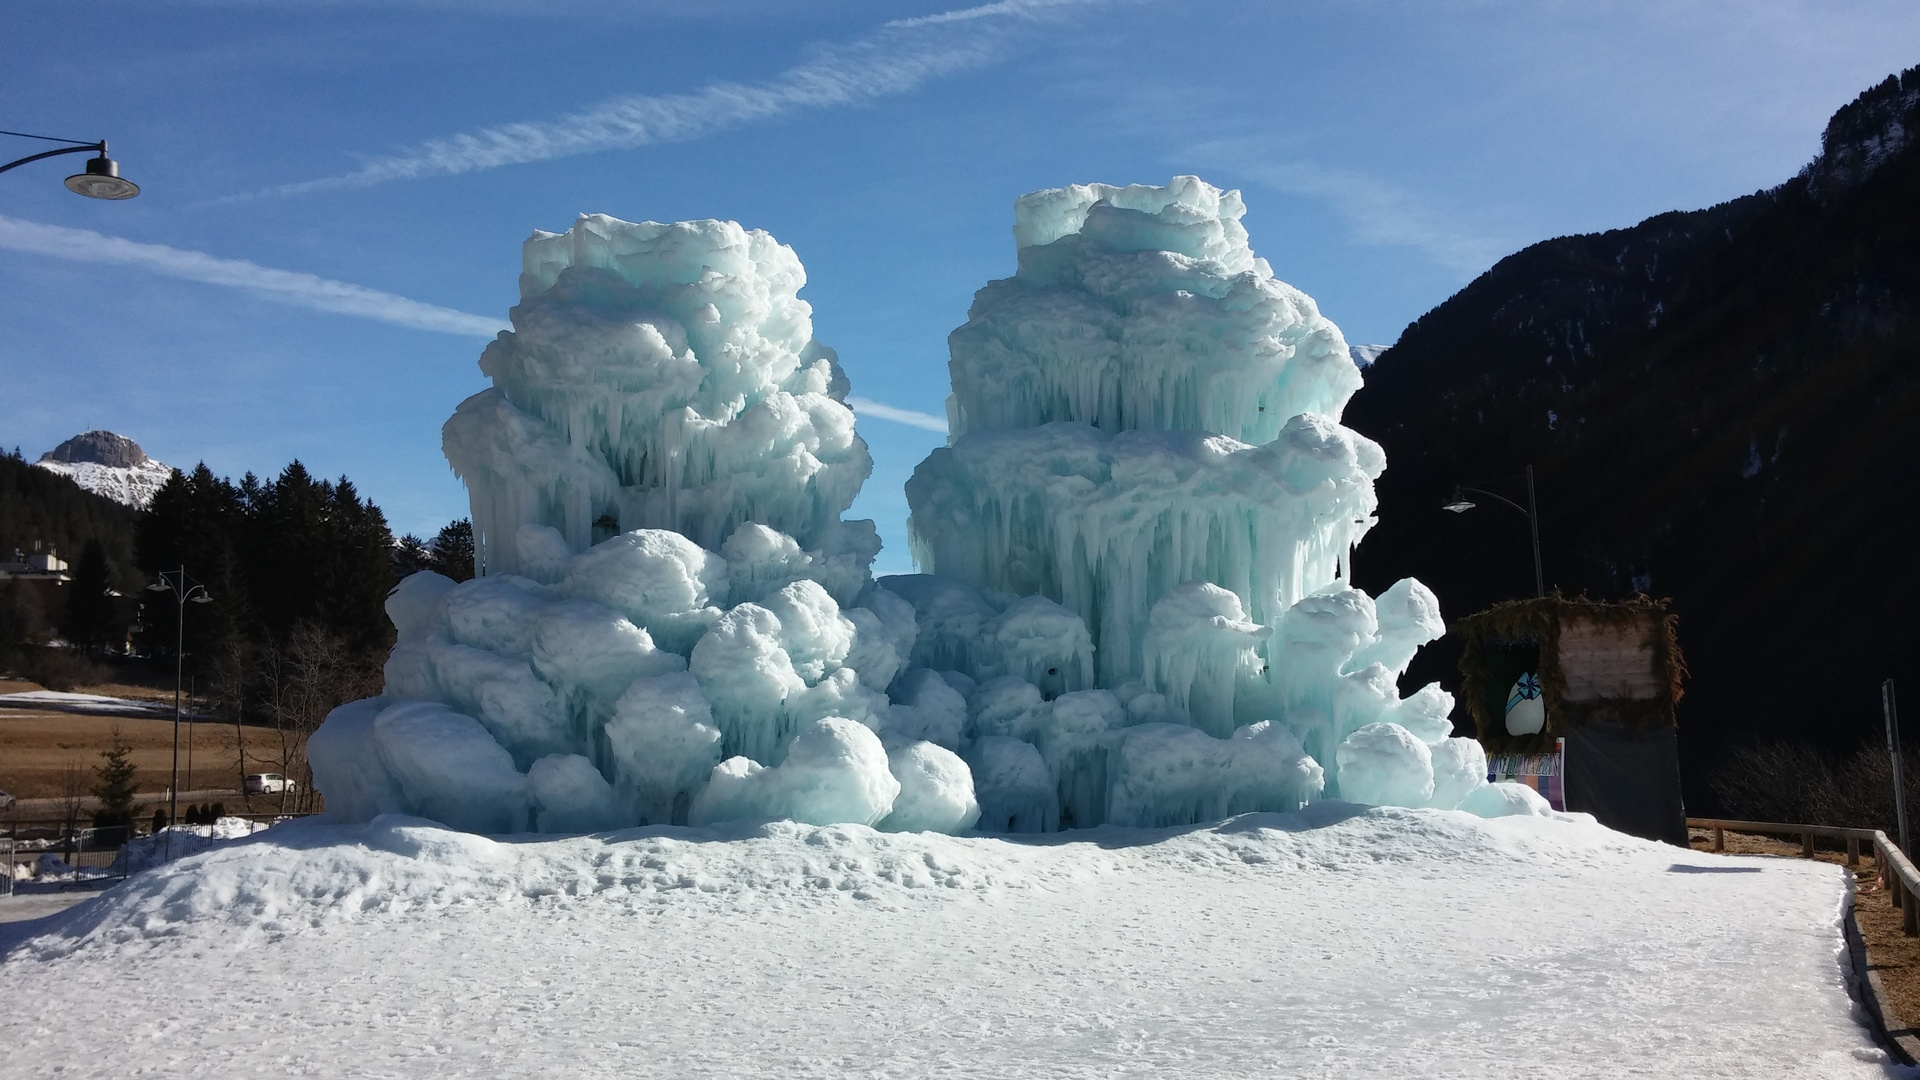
point(101, 180)
point(1491, 495)
point(1461, 505)
point(89, 148)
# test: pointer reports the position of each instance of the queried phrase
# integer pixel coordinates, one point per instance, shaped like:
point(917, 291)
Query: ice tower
point(662, 377)
point(1145, 430)
point(1135, 614)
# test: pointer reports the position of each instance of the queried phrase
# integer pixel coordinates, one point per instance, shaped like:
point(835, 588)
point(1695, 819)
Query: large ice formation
point(1136, 609)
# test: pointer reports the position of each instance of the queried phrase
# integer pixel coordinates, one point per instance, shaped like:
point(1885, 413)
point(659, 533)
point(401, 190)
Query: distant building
point(39, 566)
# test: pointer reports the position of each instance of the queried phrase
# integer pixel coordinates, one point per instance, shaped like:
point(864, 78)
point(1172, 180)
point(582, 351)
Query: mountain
point(110, 465)
point(1365, 355)
point(1721, 407)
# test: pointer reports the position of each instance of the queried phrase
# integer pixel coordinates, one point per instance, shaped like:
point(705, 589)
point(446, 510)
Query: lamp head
point(202, 598)
point(102, 180)
point(112, 592)
point(158, 586)
point(1459, 504)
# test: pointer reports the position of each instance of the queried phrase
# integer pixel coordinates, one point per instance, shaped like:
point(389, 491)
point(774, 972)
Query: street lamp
point(184, 590)
point(101, 180)
point(1460, 504)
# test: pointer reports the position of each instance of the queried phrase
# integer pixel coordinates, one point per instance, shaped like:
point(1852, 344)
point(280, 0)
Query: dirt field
point(36, 746)
point(1889, 951)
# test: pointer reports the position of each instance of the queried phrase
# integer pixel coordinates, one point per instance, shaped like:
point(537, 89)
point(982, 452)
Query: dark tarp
point(1629, 781)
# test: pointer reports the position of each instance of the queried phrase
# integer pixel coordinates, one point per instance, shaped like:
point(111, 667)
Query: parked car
point(268, 783)
point(7, 803)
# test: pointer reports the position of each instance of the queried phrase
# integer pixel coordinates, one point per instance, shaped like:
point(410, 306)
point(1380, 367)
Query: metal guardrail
point(1897, 873)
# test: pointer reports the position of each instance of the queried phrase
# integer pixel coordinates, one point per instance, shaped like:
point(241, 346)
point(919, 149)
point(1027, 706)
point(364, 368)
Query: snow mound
point(308, 874)
point(1323, 943)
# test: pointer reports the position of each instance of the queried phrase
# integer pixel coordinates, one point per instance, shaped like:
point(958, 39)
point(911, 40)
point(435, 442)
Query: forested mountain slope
point(1721, 408)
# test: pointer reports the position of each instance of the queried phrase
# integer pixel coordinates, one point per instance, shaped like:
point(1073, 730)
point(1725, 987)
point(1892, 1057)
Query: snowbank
point(1333, 942)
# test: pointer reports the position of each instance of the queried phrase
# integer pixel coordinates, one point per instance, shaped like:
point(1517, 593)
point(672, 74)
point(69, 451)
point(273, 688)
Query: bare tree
point(229, 681)
point(311, 675)
point(1794, 782)
point(72, 800)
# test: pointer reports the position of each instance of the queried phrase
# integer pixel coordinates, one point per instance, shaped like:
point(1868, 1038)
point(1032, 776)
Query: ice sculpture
point(1146, 431)
point(1135, 611)
point(662, 377)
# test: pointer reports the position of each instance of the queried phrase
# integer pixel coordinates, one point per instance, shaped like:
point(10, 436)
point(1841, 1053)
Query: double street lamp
point(185, 590)
point(101, 180)
point(1460, 504)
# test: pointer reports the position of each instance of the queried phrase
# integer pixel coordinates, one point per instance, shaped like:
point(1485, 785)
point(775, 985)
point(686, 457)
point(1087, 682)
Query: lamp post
point(101, 180)
point(1459, 504)
point(184, 589)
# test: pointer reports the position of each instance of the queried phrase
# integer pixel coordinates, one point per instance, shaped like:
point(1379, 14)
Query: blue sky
point(335, 192)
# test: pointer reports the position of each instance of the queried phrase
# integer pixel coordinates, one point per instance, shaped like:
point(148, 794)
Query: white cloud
point(882, 411)
point(895, 59)
point(1384, 215)
point(1377, 212)
point(302, 290)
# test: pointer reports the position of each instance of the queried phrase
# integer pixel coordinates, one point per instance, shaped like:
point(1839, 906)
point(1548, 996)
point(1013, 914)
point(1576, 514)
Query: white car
point(268, 783)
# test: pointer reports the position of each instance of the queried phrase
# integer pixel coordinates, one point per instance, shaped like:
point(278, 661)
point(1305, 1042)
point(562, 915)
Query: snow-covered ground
point(32, 701)
point(64, 701)
point(1336, 942)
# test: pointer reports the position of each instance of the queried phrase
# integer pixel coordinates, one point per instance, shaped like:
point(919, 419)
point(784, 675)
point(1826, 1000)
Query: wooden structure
point(1609, 675)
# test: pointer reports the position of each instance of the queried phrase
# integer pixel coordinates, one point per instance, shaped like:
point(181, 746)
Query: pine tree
point(195, 521)
point(453, 550)
point(92, 620)
point(23, 621)
point(115, 787)
point(410, 556)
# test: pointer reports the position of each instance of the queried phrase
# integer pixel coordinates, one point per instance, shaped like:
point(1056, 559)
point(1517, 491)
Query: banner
point(1544, 773)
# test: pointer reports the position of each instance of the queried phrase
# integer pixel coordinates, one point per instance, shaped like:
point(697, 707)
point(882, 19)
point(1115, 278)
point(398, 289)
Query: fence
point(90, 854)
point(86, 851)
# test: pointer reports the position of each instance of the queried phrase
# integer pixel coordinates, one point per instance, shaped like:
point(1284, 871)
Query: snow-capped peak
point(1365, 355)
point(108, 464)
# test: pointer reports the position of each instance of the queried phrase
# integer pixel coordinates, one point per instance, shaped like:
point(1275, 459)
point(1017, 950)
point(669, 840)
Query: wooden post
point(1719, 838)
point(1806, 845)
point(1909, 914)
point(1853, 851)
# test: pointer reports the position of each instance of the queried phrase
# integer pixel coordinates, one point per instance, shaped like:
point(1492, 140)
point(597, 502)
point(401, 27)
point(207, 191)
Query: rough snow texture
point(1331, 943)
point(1140, 536)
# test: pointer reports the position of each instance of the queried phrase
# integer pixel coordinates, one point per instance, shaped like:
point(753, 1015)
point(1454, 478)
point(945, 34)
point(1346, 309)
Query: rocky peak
point(98, 448)
point(1866, 133)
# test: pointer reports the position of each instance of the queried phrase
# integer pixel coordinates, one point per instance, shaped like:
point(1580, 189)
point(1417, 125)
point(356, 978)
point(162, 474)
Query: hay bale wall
point(1613, 663)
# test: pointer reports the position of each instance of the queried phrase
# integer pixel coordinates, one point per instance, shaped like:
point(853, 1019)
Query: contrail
point(895, 59)
point(303, 290)
point(880, 410)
